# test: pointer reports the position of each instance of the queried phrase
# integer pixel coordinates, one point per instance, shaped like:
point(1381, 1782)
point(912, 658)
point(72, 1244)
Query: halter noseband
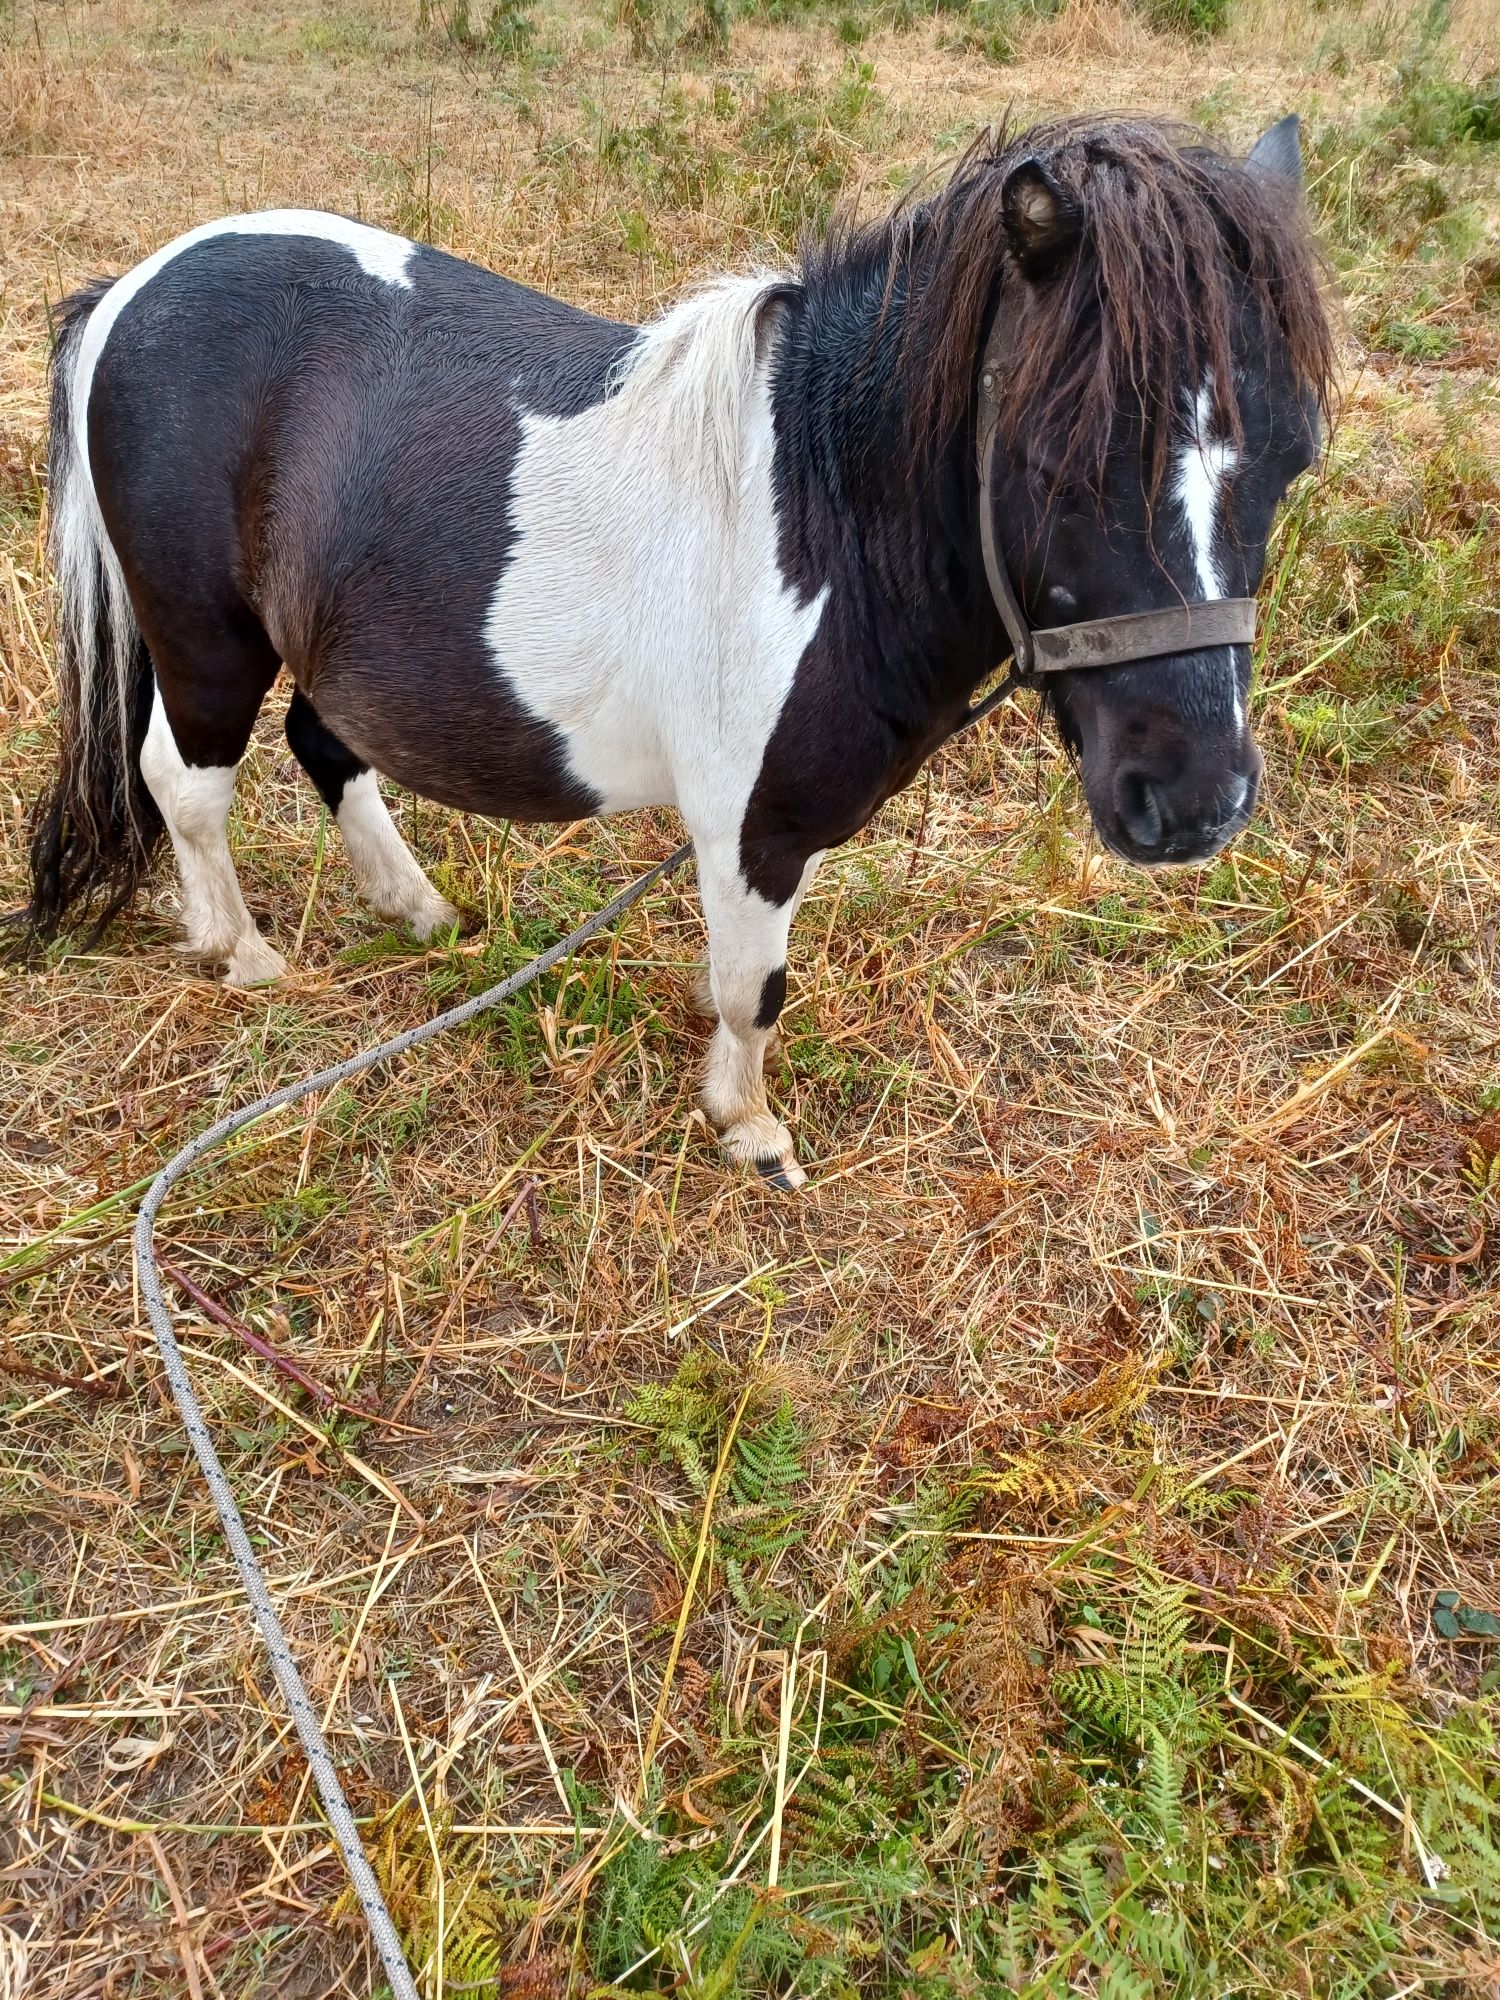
point(1091, 642)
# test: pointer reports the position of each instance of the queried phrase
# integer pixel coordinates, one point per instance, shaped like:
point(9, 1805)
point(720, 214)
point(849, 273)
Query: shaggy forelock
point(1177, 242)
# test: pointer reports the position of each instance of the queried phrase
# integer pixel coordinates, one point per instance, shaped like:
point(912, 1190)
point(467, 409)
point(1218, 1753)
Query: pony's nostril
point(1140, 809)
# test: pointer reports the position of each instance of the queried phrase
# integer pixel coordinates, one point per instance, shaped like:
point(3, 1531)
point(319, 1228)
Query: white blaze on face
point(1203, 465)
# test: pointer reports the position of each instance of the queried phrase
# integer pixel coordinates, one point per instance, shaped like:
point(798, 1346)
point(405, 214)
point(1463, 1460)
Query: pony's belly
point(442, 734)
point(623, 765)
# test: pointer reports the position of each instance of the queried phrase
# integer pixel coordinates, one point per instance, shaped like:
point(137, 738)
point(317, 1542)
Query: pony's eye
point(1047, 477)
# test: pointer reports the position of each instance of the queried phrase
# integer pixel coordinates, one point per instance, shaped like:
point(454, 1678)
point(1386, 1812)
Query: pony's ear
point(1277, 154)
point(1042, 223)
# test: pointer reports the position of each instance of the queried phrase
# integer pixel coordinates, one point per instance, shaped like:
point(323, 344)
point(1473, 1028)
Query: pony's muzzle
point(1175, 809)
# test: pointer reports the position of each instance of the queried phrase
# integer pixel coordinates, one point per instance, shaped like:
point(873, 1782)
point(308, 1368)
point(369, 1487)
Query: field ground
point(1080, 1511)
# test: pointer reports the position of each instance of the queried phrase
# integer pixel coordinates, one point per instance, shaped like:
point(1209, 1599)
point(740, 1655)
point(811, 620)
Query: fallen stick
point(258, 1344)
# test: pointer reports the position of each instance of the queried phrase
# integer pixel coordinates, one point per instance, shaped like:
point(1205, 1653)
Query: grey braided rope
point(288, 1678)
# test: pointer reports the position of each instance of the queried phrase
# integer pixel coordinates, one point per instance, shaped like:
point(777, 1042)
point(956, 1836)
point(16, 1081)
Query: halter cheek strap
point(1091, 642)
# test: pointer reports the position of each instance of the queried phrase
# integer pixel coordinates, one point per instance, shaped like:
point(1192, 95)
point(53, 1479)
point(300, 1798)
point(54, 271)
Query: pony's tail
point(94, 829)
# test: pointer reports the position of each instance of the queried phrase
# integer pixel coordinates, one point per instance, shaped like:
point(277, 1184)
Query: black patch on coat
point(330, 764)
point(297, 460)
point(772, 998)
point(909, 629)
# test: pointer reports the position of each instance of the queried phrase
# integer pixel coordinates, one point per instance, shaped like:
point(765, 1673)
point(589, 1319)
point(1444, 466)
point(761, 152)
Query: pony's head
point(1154, 313)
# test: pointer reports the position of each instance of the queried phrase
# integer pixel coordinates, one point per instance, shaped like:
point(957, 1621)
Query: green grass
point(1109, 1518)
point(1403, 190)
point(1225, 1803)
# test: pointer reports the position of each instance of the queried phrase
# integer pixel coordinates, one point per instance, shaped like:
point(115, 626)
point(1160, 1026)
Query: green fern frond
point(1077, 1865)
point(762, 1518)
point(1130, 1707)
point(685, 1415)
point(764, 1532)
point(1119, 1980)
point(768, 1461)
point(1161, 1789)
point(1156, 1642)
point(1159, 1937)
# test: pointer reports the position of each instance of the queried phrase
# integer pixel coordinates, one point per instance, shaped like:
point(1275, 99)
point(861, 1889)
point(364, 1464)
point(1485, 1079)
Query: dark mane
point(1175, 235)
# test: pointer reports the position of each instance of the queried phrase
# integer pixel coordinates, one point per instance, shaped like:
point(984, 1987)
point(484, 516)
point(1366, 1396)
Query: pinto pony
point(751, 560)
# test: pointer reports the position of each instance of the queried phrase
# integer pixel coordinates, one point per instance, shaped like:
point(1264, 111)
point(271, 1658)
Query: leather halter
point(1090, 642)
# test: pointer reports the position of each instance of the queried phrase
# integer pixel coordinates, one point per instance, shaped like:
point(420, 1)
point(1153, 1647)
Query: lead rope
point(288, 1676)
point(988, 704)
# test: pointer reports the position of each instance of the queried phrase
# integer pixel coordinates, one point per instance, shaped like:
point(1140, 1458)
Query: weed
point(997, 29)
point(763, 1520)
point(1097, 1594)
point(800, 144)
point(661, 29)
point(1200, 18)
point(1406, 180)
point(685, 1415)
point(1347, 735)
point(504, 30)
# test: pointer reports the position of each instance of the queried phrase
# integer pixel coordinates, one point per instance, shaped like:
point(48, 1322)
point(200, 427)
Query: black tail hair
point(95, 828)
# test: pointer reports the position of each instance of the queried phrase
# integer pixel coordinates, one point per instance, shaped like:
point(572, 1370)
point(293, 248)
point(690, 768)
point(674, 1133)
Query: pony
point(751, 560)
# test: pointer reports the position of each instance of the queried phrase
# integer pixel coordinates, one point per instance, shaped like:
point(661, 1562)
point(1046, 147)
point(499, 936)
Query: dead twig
point(293, 1370)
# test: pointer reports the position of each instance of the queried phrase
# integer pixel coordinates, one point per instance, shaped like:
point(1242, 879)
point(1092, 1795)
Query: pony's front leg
point(747, 942)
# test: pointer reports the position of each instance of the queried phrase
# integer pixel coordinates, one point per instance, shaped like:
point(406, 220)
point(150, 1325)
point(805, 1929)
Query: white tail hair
point(94, 830)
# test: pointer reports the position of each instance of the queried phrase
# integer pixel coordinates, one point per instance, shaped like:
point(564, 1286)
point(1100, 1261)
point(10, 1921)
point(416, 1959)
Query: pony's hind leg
point(212, 672)
point(194, 801)
point(390, 878)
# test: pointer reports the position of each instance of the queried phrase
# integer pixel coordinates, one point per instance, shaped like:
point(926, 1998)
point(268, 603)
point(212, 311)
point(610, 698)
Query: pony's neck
point(899, 548)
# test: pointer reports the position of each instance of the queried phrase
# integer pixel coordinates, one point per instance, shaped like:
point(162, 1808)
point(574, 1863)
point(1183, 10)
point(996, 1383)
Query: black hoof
point(774, 1174)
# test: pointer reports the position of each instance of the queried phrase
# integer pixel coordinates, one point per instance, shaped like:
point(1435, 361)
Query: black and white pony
point(751, 560)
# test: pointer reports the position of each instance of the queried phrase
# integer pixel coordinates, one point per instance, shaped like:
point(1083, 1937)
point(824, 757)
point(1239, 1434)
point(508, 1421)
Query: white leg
point(194, 801)
point(702, 991)
point(390, 879)
point(747, 979)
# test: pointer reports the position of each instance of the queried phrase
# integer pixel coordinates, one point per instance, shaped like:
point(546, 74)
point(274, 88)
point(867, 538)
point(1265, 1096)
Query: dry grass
point(1141, 1311)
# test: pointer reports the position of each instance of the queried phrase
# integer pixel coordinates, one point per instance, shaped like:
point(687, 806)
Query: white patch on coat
point(194, 801)
point(1204, 463)
point(389, 876)
point(643, 613)
point(378, 252)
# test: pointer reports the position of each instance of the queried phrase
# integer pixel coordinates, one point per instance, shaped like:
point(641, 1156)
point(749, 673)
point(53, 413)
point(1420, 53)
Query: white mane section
point(692, 374)
point(643, 612)
point(380, 255)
